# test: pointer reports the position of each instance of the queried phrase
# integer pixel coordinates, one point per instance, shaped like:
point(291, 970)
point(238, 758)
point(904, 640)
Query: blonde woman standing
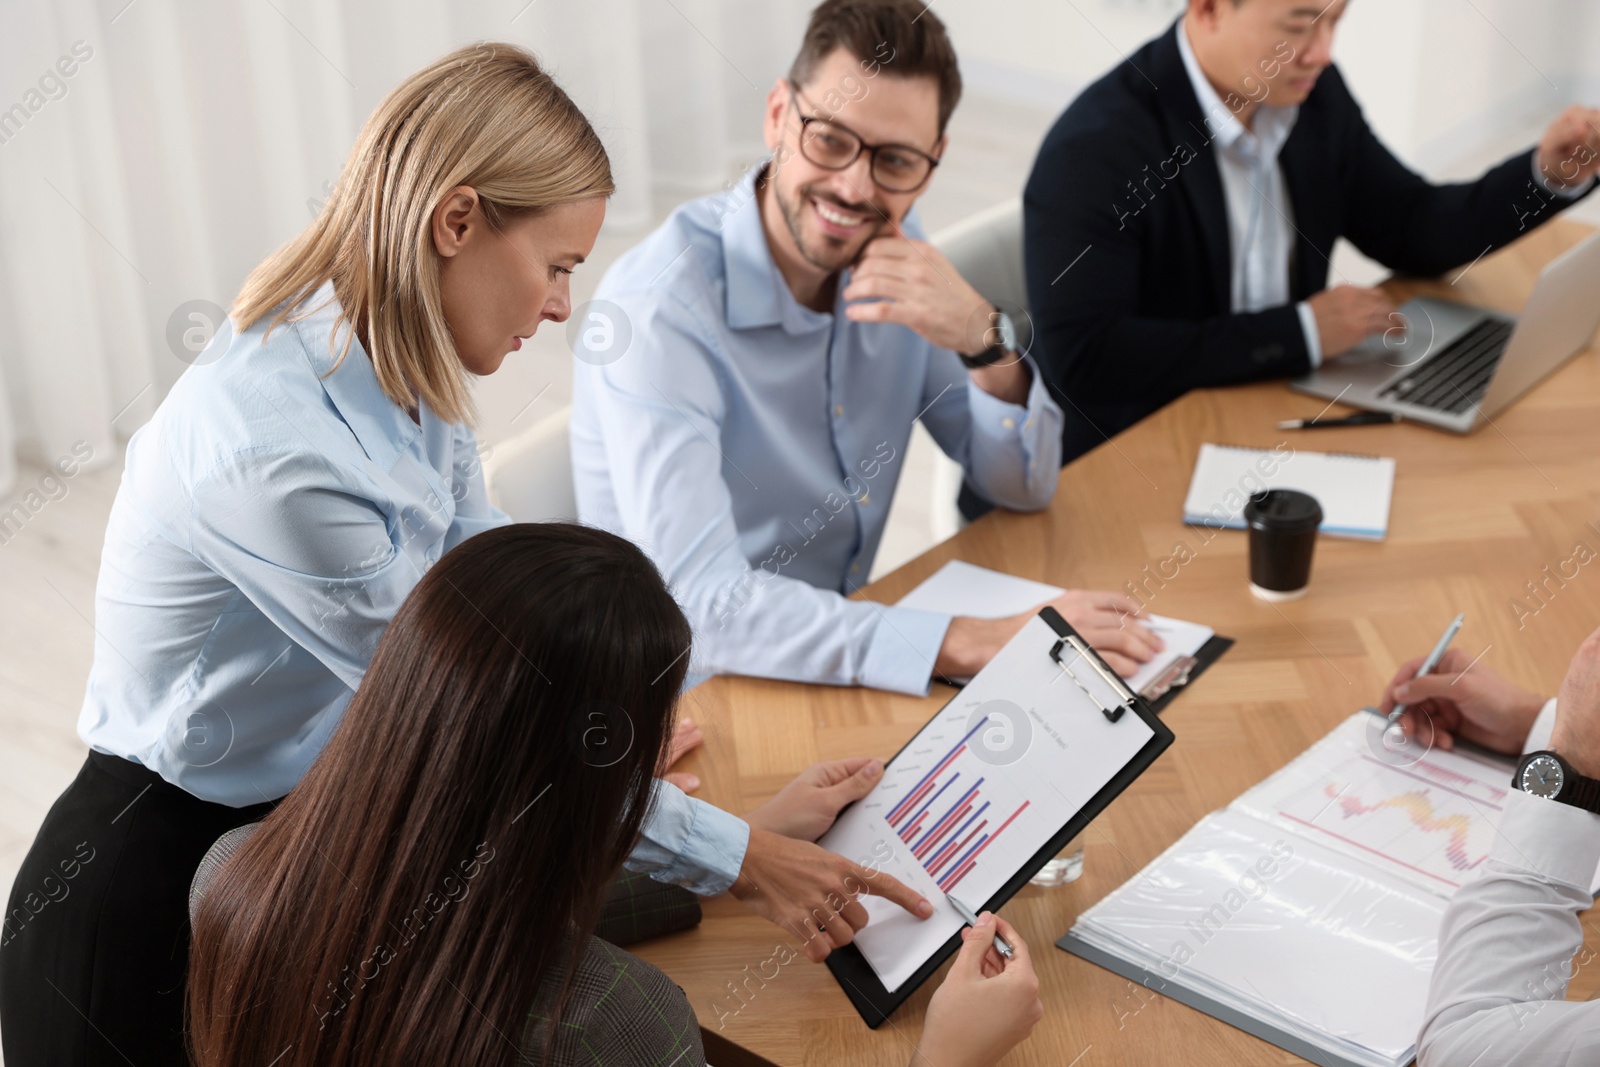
point(289, 493)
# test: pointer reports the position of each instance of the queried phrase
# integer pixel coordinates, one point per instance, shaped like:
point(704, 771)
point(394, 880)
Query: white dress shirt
point(1261, 229)
point(1260, 218)
point(1507, 943)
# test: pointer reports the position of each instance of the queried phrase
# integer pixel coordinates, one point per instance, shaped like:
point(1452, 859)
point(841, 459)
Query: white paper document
point(991, 779)
point(960, 588)
point(1312, 903)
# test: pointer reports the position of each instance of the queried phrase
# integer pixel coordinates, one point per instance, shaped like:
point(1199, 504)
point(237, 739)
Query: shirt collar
point(758, 295)
point(383, 429)
point(1272, 122)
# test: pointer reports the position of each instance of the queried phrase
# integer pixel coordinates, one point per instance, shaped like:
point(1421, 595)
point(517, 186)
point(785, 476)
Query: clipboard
point(1183, 672)
point(1069, 656)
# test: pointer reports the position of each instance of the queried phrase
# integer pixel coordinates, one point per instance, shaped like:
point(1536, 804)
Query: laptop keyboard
point(1458, 376)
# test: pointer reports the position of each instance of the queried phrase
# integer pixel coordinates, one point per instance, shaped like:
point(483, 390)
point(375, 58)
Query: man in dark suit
point(1181, 214)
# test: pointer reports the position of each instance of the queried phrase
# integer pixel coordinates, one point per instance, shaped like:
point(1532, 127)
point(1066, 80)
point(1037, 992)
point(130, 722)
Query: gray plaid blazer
point(621, 1011)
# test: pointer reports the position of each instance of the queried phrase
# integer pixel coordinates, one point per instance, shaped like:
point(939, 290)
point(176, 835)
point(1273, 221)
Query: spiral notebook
point(1354, 491)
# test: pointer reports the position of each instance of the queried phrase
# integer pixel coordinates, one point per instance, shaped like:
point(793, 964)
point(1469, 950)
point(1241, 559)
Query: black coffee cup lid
point(1284, 511)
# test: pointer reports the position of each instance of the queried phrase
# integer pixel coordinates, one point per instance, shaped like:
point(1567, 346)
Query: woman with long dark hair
point(426, 894)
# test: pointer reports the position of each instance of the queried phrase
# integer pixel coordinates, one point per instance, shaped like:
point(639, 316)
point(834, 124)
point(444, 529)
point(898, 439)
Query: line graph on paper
point(1433, 819)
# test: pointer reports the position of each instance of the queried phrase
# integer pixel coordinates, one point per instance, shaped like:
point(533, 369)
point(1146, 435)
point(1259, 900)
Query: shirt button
point(838, 409)
point(866, 498)
point(1009, 423)
point(855, 568)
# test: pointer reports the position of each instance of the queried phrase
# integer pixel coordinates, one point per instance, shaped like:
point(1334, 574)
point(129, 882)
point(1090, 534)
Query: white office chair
point(986, 249)
point(529, 477)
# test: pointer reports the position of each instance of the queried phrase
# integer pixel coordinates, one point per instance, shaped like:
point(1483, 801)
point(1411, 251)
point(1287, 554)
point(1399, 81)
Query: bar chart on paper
point(949, 818)
point(979, 792)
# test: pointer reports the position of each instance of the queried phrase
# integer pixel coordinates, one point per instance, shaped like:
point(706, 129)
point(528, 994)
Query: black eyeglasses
point(898, 168)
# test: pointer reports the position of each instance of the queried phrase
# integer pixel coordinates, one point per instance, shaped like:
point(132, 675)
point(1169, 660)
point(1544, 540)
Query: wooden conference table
point(1474, 519)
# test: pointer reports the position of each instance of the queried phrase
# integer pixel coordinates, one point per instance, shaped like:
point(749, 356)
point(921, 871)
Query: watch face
point(1008, 332)
point(1542, 776)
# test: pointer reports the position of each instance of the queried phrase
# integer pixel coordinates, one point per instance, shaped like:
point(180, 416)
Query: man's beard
point(833, 258)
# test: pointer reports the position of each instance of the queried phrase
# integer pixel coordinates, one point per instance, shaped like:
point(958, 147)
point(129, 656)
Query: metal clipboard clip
point(1176, 674)
point(1119, 688)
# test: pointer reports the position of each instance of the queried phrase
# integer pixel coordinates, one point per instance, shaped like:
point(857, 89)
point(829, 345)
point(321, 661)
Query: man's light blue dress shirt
point(269, 522)
point(752, 446)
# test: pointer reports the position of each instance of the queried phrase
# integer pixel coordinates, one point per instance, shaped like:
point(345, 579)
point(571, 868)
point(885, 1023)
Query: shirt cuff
point(1031, 431)
point(1308, 326)
point(903, 648)
point(1543, 727)
point(688, 842)
point(1549, 839)
point(1001, 418)
point(1566, 194)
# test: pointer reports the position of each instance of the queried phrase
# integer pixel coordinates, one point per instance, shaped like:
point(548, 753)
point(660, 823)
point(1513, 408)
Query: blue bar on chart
point(947, 843)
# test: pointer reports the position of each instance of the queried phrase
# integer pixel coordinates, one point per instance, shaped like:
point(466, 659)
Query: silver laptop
point(1454, 365)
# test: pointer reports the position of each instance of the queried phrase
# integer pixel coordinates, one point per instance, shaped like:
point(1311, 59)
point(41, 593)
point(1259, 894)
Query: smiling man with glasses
point(785, 337)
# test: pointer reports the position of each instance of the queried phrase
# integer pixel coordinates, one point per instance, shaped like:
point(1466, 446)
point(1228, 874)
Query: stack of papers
point(1307, 912)
point(960, 588)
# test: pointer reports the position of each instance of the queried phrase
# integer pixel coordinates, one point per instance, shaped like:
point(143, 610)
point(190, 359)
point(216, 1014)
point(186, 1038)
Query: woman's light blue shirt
point(271, 518)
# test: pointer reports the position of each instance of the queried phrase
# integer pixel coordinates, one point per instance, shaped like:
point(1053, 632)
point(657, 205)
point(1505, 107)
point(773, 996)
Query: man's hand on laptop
point(1349, 314)
point(1569, 151)
point(1107, 620)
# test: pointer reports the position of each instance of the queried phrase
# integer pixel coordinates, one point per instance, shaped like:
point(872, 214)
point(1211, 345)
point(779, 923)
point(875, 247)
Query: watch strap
point(1583, 792)
point(996, 351)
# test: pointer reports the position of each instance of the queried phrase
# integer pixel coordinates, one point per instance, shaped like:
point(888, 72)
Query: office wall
point(1438, 78)
point(201, 135)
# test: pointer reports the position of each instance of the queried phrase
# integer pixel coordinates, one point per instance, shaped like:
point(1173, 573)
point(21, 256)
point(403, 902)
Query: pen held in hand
point(1432, 661)
point(1000, 944)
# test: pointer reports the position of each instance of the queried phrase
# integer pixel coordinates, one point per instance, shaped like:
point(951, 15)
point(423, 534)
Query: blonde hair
point(486, 116)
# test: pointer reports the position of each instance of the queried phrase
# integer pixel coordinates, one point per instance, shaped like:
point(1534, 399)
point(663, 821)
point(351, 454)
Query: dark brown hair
point(488, 779)
point(904, 36)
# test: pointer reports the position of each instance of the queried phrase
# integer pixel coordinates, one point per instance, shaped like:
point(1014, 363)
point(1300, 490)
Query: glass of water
point(1067, 867)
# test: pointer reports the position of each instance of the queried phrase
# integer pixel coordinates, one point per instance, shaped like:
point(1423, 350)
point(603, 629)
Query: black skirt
point(96, 934)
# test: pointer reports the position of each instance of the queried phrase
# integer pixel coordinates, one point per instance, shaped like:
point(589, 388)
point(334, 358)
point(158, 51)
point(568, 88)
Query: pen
point(1366, 418)
point(970, 919)
point(1433, 659)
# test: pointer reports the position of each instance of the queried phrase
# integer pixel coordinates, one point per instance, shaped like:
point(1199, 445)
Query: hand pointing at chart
point(802, 887)
point(986, 1004)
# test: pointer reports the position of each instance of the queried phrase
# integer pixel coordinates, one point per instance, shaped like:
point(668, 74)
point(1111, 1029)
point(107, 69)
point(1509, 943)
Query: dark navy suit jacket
point(1127, 179)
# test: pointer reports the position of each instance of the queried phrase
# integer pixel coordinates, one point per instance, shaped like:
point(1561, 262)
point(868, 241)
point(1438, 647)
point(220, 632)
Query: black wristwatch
point(1004, 344)
point(1547, 775)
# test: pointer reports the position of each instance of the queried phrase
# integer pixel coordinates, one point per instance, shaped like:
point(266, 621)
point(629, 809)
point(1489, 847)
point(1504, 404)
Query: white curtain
point(153, 151)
